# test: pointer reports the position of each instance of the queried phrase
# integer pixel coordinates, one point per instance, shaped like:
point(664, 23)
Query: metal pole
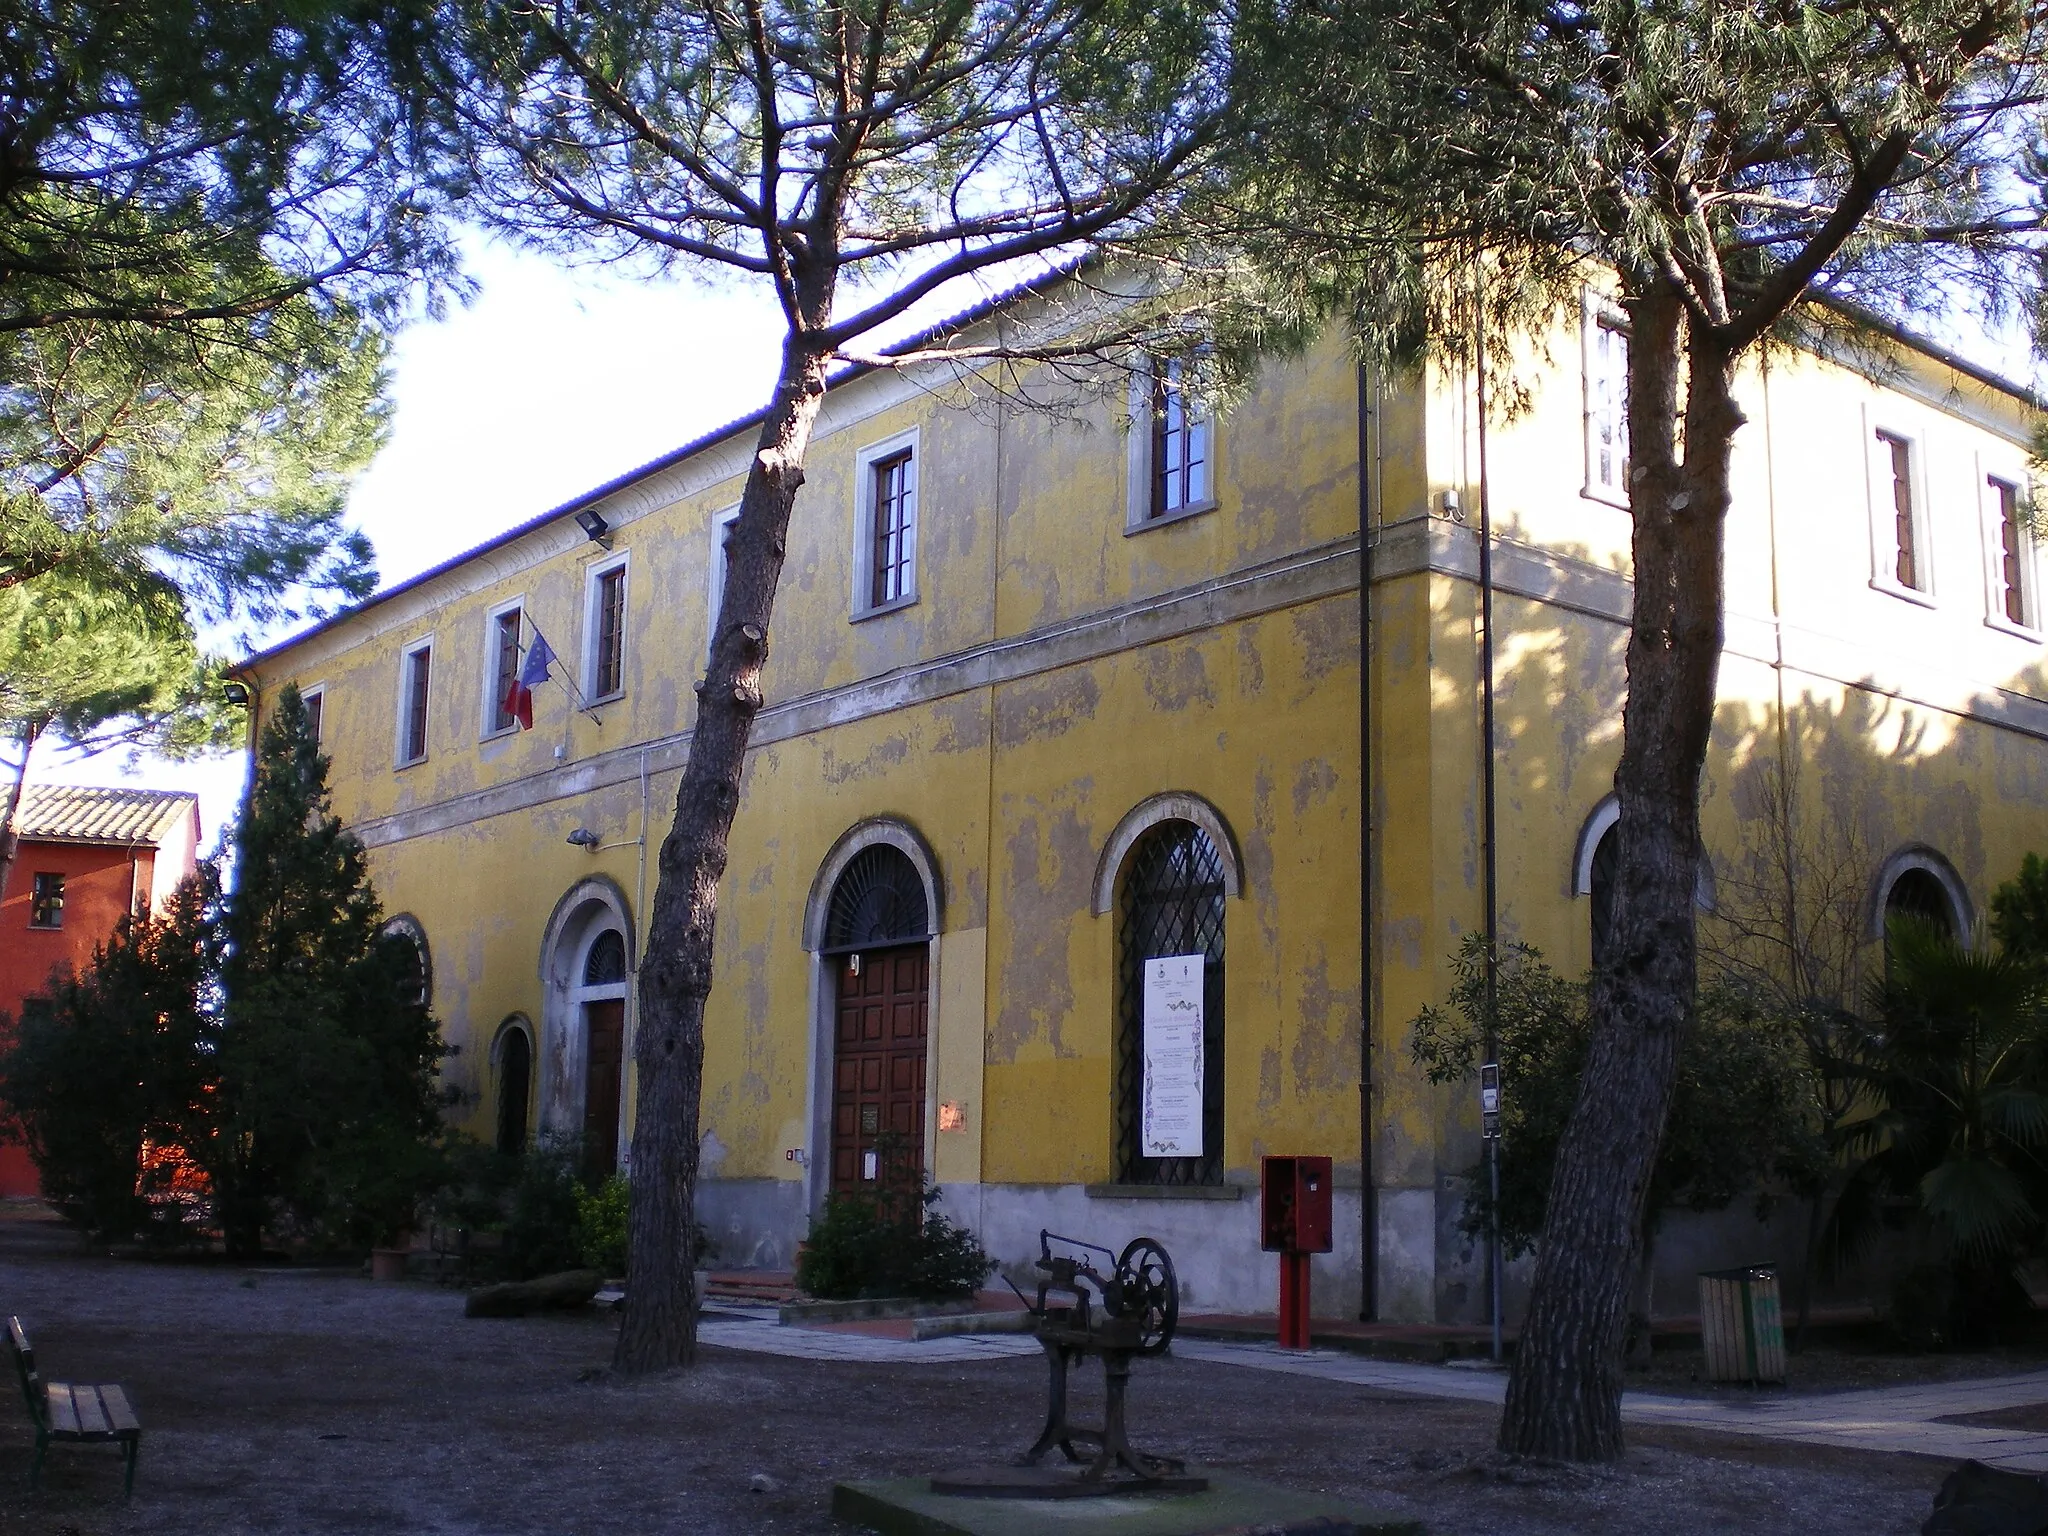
point(1488, 830)
point(1368, 1225)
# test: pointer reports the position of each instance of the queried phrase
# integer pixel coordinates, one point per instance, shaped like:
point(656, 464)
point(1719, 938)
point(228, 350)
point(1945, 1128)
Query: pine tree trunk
point(1564, 1393)
point(659, 1328)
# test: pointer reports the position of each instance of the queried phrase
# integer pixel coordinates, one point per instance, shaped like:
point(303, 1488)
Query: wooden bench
point(72, 1415)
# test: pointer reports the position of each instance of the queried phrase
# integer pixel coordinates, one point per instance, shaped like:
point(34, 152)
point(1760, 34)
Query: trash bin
point(1742, 1328)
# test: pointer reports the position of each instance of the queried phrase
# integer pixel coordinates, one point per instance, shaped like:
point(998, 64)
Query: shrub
point(601, 1224)
point(543, 1212)
point(1739, 1124)
point(1953, 1081)
point(889, 1240)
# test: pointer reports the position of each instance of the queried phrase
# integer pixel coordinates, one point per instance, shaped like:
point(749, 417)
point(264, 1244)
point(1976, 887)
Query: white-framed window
point(604, 627)
point(1605, 345)
point(721, 534)
point(885, 527)
point(415, 691)
point(1172, 448)
point(2012, 600)
point(314, 697)
point(1901, 542)
point(504, 635)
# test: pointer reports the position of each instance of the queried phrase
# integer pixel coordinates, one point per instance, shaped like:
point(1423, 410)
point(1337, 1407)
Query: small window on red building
point(46, 902)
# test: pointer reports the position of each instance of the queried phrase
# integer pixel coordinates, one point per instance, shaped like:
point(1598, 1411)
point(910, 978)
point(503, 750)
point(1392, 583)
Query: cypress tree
point(328, 1106)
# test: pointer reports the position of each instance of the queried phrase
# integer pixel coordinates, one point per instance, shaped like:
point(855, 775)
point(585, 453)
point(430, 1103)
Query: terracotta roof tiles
point(76, 813)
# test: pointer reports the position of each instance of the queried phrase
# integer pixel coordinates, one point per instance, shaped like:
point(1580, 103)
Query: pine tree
point(325, 1119)
point(1461, 173)
point(854, 160)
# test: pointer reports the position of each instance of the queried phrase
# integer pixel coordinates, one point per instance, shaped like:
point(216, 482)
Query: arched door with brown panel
point(877, 944)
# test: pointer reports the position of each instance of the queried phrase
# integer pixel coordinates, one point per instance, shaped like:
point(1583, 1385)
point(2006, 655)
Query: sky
point(550, 382)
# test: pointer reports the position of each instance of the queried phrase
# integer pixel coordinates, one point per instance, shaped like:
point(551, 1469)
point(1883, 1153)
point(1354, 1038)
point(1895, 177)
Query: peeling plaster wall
point(1058, 669)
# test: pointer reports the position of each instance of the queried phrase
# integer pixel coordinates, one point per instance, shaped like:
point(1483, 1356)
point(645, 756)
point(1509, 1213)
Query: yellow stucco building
point(1050, 695)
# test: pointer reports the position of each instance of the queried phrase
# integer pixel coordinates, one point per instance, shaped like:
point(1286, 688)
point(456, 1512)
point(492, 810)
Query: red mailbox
point(1294, 1222)
point(1294, 1205)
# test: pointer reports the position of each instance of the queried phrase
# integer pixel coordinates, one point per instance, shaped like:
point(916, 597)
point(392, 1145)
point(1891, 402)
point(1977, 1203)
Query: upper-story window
point(605, 624)
point(885, 566)
point(1606, 405)
point(721, 548)
point(315, 700)
point(1180, 444)
point(46, 901)
point(1172, 470)
point(891, 529)
point(1895, 474)
point(415, 687)
point(2011, 547)
point(501, 668)
point(1900, 554)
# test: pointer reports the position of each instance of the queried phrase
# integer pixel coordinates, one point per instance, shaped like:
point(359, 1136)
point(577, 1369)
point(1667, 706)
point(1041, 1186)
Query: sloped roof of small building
point(77, 813)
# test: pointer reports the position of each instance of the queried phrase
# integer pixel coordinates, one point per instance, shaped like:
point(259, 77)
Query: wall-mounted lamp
point(595, 529)
point(583, 837)
point(235, 693)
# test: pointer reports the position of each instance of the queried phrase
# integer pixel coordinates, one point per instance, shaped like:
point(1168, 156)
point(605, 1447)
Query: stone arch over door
point(832, 931)
point(588, 911)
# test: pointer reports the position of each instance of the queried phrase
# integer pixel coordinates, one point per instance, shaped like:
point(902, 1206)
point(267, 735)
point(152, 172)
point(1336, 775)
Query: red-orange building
point(86, 857)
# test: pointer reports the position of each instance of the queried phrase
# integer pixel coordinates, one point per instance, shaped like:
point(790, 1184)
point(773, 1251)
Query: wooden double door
point(878, 1065)
point(604, 1069)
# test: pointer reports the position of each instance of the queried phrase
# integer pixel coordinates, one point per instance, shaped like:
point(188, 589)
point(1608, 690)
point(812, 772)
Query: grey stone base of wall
point(757, 1223)
point(1427, 1272)
point(752, 1223)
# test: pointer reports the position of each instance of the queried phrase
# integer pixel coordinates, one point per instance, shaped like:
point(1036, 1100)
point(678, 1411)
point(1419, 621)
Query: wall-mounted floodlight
point(583, 837)
point(595, 528)
point(235, 693)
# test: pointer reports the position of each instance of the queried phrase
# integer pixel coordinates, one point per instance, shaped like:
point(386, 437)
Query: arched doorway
point(587, 969)
point(877, 931)
point(602, 996)
point(514, 1054)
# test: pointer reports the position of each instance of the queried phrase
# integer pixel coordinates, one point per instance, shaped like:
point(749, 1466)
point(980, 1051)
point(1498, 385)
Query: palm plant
point(1955, 1076)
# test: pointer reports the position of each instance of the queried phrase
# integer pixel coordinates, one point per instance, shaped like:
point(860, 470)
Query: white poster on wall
point(1172, 1125)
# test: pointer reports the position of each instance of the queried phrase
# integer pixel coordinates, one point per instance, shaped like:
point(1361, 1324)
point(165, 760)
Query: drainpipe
point(1491, 1050)
point(1368, 1203)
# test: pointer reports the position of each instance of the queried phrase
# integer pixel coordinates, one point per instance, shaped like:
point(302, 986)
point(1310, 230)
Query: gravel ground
point(314, 1402)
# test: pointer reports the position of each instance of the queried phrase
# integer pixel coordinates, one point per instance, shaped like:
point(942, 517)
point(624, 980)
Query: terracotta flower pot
point(388, 1263)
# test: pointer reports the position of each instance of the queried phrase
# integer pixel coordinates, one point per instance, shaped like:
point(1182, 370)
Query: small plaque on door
point(870, 1119)
point(868, 1162)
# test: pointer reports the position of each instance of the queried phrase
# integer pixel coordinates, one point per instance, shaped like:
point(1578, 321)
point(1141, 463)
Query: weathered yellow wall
point(1922, 722)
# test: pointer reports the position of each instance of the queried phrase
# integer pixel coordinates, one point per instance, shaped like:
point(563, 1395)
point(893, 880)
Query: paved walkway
point(1905, 1420)
point(1901, 1419)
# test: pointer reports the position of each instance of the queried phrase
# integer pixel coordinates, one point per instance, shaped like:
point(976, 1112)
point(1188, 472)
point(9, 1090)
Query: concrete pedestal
point(906, 1506)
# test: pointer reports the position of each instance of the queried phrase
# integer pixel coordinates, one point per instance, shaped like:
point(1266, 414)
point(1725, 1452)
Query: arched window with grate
point(1169, 902)
point(1917, 896)
point(605, 965)
point(879, 900)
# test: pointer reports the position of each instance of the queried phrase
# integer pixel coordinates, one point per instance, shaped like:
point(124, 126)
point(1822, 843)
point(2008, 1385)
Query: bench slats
point(119, 1414)
point(92, 1419)
point(62, 1411)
